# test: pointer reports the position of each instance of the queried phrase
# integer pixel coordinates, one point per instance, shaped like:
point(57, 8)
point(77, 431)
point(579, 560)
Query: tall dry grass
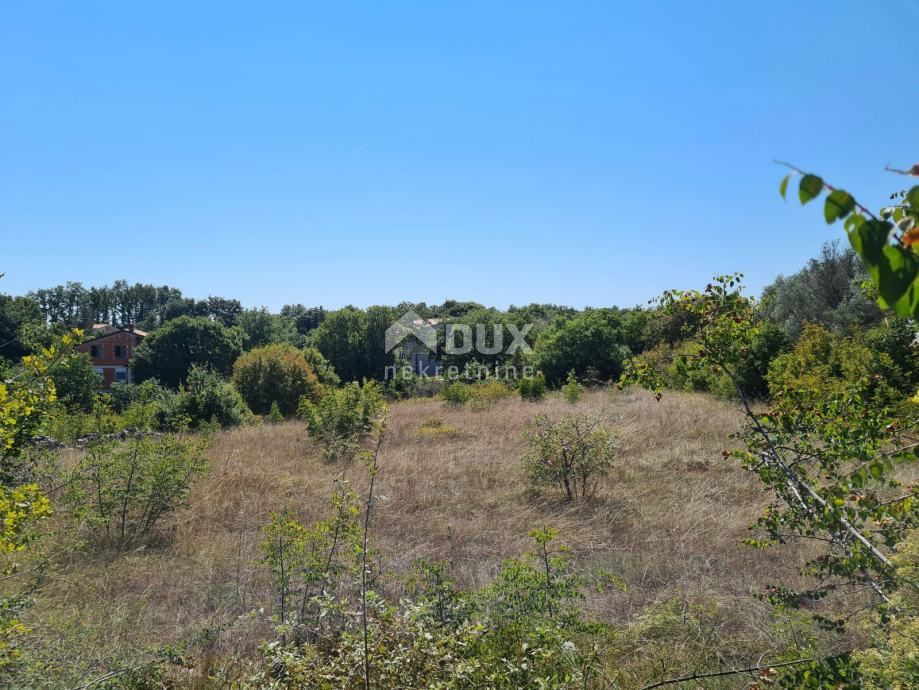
point(668, 521)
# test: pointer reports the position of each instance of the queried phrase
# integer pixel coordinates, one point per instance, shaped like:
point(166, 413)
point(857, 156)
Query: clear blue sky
point(505, 152)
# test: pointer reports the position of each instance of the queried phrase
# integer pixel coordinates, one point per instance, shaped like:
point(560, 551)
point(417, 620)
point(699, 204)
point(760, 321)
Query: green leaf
point(868, 239)
point(853, 222)
point(898, 281)
point(839, 204)
point(810, 188)
point(912, 196)
point(783, 187)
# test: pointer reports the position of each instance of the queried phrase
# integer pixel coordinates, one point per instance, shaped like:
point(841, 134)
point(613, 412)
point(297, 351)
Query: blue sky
point(504, 152)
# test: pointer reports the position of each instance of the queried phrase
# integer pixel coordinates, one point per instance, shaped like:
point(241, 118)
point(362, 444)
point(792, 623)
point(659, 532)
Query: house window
point(119, 351)
point(93, 351)
point(121, 374)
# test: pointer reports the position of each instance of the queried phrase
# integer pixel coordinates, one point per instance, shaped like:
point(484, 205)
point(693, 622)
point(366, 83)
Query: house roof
point(108, 329)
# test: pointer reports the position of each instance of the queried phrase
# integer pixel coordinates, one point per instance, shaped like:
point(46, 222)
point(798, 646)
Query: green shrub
point(342, 416)
point(274, 415)
point(403, 384)
point(457, 394)
point(572, 454)
point(481, 395)
point(275, 374)
point(572, 390)
point(208, 397)
point(517, 633)
point(488, 392)
point(310, 565)
point(75, 382)
point(123, 489)
point(824, 365)
point(532, 388)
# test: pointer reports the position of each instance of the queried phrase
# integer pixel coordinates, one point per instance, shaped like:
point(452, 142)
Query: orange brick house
point(110, 348)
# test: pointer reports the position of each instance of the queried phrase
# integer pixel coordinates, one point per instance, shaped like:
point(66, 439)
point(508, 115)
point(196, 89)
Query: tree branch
point(730, 672)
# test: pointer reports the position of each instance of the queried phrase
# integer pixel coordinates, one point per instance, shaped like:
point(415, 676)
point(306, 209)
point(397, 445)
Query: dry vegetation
point(669, 522)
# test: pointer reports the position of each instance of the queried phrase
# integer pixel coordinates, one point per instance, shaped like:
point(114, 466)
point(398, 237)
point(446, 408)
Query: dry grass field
point(668, 521)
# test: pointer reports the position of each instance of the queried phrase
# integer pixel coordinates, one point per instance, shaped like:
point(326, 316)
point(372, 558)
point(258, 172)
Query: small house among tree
point(110, 348)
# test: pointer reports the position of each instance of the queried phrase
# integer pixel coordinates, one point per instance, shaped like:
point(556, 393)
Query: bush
point(479, 395)
point(824, 365)
point(572, 390)
point(75, 382)
point(573, 454)
point(532, 388)
point(457, 394)
point(403, 384)
point(517, 633)
point(274, 415)
point(275, 374)
point(208, 397)
point(122, 490)
point(342, 416)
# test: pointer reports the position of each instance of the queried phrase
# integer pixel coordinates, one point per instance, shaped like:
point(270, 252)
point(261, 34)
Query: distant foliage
point(123, 490)
point(260, 328)
point(827, 292)
point(533, 387)
point(342, 417)
point(275, 374)
point(572, 390)
point(353, 341)
point(592, 339)
point(573, 454)
point(169, 353)
point(305, 319)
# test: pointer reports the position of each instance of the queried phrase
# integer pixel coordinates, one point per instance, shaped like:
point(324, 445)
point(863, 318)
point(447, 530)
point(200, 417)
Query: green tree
point(16, 313)
point(24, 404)
point(354, 342)
point(305, 319)
point(572, 390)
point(260, 327)
point(827, 291)
point(275, 374)
point(591, 340)
point(325, 372)
point(169, 353)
